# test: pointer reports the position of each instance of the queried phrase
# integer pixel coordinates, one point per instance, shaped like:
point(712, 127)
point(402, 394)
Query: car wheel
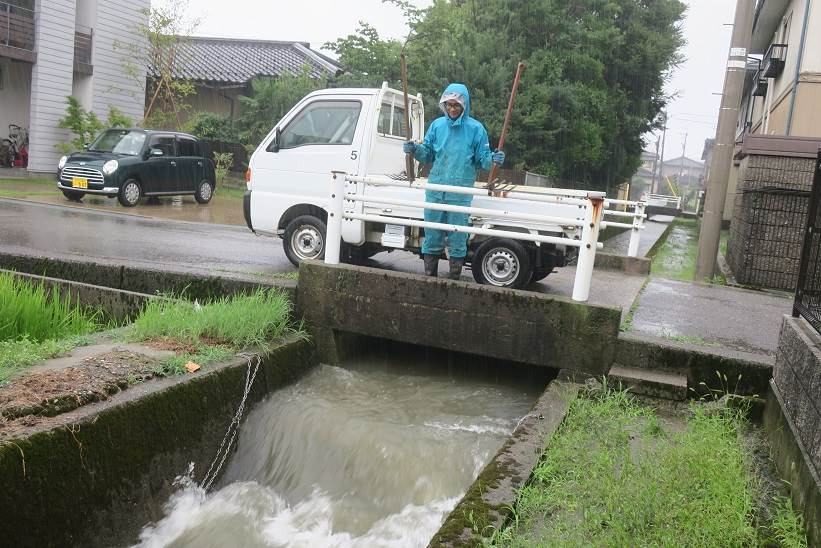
point(502, 263)
point(204, 192)
point(304, 238)
point(130, 193)
point(73, 195)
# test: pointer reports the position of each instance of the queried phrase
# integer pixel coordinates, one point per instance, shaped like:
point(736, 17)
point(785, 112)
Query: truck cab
point(361, 132)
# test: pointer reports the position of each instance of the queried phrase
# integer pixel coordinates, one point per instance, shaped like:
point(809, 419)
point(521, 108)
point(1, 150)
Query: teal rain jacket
point(456, 148)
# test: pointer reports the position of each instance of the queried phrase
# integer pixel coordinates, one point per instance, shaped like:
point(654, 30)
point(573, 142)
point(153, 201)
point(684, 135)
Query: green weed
point(240, 321)
point(787, 526)
point(28, 309)
point(602, 482)
point(175, 365)
point(22, 353)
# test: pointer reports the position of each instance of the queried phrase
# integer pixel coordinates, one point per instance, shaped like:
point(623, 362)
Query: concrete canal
point(373, 453)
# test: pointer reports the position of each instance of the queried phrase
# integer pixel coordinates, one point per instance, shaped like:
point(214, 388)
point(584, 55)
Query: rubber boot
point(456, 268)
point(431, 265)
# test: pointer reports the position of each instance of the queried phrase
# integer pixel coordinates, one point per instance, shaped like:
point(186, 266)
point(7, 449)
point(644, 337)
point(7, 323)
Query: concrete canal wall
point(142, 280)
point(793, 418)
point(506, 324)
point(95, 476)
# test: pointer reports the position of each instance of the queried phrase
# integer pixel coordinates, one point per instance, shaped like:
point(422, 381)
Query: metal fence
point(82, 45)
point(593, 204)
point(16, 27)
point(808, 290)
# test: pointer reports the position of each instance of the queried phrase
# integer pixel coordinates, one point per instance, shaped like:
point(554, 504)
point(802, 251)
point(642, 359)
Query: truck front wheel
point(503, 263)
point(304, 238)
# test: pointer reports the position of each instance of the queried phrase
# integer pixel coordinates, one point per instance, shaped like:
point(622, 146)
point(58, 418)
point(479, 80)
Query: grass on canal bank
point(617, 474)
point(215, 330)
point(36, 324)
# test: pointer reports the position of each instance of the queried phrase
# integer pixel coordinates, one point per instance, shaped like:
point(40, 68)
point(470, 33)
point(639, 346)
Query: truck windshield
point(323, 123)
point(119, 141)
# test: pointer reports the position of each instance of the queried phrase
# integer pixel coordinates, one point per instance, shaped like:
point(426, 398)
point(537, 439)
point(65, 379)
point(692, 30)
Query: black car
point(131, 163)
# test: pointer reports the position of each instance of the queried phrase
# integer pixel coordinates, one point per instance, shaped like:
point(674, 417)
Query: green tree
point(162, 50)
point(592, 86)
point(368, 59)
point(86, 125)
point(212, 127)
point(270, 100)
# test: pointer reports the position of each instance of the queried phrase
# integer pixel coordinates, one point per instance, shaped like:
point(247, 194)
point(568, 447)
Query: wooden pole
point(408, 130)
point(494, 168)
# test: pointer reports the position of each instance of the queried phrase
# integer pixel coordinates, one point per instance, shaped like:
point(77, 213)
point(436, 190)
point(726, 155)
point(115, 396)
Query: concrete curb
point(620, 263)
point(744, 373)
point(660, 242)
point(488, 501)
point(141, 280)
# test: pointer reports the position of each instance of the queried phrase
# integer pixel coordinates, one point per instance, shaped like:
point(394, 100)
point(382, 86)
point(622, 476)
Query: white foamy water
point(366, 456)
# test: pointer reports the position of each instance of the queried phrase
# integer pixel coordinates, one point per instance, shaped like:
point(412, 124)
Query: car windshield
point(119, 141)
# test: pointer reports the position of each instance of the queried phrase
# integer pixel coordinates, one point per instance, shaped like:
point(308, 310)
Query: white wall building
point(50, 49)
point(783, 97)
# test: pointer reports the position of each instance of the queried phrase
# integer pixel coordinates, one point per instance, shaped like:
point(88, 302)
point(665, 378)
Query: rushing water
point(366, 455)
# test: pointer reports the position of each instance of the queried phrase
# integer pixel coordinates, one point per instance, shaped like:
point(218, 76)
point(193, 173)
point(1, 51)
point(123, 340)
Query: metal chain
point(233, 428)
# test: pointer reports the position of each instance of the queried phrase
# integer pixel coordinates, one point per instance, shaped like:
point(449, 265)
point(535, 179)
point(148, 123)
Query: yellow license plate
point(79, 182)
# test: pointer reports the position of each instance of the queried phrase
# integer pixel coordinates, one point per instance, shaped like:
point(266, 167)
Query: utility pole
point(681, 167)
point(725, 141)
point(655, 189)
point(655, 165)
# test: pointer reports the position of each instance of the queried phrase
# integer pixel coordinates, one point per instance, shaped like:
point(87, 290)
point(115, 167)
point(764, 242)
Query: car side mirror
point(86, 145)
point(156, 152)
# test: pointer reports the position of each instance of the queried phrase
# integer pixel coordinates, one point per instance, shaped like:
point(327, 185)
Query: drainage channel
point(373, 453)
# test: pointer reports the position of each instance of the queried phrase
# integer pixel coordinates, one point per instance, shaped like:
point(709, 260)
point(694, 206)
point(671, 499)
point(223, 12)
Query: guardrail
point(592, 203)
point(16, 27)
point(663, 200)
point(636, 226)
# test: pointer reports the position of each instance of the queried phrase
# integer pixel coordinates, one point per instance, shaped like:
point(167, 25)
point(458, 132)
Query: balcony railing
point(760, 85)
point(82, 49)
point(773, 62)
point(16, 27)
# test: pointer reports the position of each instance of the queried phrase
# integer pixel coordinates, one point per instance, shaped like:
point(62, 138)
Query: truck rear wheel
point(502, 263)
point(304, 238)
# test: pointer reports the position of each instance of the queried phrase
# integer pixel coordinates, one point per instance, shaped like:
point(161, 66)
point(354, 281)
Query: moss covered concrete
point(794, 463)
point(105, 470)
point(142, 280)
point(507, 324)
point(487, 503)
point(717, 368)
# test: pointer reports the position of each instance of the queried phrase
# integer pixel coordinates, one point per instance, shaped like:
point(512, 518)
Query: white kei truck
point(361, 132)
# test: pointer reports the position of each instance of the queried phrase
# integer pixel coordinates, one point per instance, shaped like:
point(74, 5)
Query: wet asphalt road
point(41, 229)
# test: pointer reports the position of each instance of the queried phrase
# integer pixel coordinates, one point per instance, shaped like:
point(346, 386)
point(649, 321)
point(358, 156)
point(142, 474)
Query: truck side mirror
point(156, 152)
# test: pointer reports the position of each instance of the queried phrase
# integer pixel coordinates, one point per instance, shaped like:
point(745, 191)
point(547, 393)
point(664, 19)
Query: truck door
point(324, 135)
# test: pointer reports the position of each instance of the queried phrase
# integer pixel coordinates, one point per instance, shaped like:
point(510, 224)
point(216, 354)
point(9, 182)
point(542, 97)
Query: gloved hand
point(498, 157)
point(409, 147)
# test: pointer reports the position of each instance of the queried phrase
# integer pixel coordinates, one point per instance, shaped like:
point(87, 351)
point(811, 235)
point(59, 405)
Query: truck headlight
point(62, 163)
point(110, 167)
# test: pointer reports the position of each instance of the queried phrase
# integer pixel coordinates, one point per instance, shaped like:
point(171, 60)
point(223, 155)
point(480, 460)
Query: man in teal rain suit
point(457, 146)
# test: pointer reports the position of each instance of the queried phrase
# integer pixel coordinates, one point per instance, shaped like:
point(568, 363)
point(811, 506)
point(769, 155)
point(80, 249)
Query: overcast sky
point(694, 110)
